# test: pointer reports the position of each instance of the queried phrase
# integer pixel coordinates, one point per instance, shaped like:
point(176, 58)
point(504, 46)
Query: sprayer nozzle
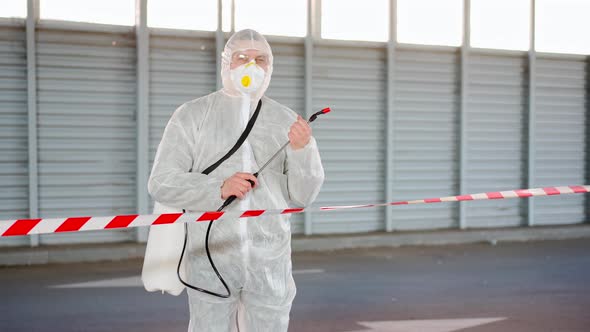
point(315, 115)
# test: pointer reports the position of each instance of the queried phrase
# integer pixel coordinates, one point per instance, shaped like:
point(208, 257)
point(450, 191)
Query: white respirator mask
point(248, 78)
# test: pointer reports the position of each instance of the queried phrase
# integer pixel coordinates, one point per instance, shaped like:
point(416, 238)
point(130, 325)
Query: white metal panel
point(182, 68)
point(287, 81)
point(287, 88)
point(86, 120)
point(350, 80)
point(496, 107)
point(425, 150)
point(13, 128)
point(87, 143)
point(560, 138)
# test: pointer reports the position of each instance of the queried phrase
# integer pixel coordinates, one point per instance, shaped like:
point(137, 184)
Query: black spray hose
point(225, 204)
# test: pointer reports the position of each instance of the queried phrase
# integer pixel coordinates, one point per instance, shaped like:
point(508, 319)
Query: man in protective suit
point(252, 255)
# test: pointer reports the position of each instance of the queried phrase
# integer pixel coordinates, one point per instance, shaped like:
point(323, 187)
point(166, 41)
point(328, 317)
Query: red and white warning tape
point(75, 224)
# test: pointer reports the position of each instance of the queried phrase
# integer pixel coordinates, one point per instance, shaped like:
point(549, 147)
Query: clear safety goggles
point(242, 58)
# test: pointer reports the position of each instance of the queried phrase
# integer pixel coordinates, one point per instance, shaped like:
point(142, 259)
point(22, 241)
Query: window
point(119, 12)
point(433, 22)
point(501, 24)
point(183, 14)
point(273, 17)
point(226, 12)
point(14, 8)
point(562, 26)
point(355, 20)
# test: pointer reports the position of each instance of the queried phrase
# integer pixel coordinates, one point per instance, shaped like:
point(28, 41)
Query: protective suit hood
point(245, 40)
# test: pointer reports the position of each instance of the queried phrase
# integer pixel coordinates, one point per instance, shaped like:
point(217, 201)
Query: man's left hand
point(299, 134)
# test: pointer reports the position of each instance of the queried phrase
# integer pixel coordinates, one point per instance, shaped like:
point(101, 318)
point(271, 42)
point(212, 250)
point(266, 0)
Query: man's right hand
point(238, 185)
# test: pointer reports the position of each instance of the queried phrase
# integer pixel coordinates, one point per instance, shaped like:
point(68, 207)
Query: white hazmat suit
point(253, 255)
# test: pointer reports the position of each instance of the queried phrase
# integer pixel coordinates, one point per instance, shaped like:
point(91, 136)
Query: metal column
point(587, 141)
point(143, 72)
point(233, 16)
point(391, 44)
point(313, 31)
point(32, 18)
point(463, 112)
point(219, 42)
point(531, 118)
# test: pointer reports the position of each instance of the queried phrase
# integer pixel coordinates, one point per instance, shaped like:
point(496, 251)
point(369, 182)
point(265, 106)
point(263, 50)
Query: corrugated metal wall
point(496, 108)
point(13, 128)
point(561, 136)
point(351, 80)
point(182, 68)
point(425, 129)
point(288, 80)
point(86, 128)
point(287, 87)
point(87, 143)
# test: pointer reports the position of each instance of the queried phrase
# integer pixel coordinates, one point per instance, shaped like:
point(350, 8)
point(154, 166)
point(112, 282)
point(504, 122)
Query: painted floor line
point(427, 325)
point(136, 281)
point(308, 271)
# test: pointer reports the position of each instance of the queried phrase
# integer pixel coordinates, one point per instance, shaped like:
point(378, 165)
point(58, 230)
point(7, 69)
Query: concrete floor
point(533, 286)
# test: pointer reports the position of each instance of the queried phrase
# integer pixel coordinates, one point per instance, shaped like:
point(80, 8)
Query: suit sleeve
point(171, 181)
point(305, 173)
